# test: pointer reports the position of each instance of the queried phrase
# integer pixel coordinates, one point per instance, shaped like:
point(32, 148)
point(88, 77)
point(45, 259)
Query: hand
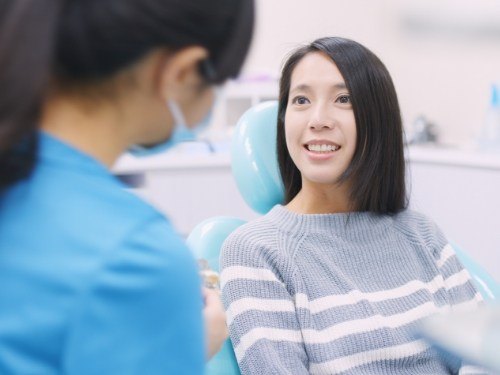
point(215, 321)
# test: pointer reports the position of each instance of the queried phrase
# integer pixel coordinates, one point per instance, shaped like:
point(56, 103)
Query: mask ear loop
point(177, 114)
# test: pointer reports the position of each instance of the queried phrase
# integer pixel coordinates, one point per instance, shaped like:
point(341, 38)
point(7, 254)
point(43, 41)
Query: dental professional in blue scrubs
point(92, 279)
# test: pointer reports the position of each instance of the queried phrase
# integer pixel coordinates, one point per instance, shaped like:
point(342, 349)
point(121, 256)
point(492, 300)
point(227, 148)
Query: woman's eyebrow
point(304, 87)
point(301, 87)
point(340, 85)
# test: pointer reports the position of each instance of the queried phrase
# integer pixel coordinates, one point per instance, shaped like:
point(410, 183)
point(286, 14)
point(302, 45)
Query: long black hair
point(377, 170)
point(82, 41)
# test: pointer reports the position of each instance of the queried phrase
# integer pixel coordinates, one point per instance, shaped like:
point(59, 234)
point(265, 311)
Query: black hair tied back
point(229, 61)
point(27, 29)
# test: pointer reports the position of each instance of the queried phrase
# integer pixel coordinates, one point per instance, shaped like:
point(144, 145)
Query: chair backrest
point(254, 161)
point(255, 168)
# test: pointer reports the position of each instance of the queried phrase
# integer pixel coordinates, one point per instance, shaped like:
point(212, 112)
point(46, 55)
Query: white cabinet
point(460, 191)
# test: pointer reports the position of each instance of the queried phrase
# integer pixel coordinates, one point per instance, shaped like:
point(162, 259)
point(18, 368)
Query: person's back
point(87, 268)
point(92, 279)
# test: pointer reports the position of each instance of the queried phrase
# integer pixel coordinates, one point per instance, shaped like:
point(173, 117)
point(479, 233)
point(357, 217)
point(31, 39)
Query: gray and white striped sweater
point(340, 293)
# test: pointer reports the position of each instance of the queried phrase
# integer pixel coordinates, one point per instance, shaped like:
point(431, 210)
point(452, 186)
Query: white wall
point(442, 69)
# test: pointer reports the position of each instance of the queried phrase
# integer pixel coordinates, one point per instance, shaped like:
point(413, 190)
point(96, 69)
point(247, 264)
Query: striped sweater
point(340, 293)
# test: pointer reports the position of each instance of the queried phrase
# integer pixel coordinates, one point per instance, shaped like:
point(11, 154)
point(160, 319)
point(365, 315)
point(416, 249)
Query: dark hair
point(377, 170)
point(82, 41)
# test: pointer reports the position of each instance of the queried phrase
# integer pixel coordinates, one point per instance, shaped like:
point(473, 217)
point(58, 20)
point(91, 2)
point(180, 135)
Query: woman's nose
point(321, 122)
point(321, 119)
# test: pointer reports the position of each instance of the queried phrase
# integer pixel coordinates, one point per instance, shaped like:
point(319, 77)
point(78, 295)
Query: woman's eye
point(300, 100)
point(344, 99)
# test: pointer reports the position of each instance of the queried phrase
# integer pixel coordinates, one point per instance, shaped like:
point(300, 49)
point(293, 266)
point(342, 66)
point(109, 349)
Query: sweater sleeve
point(142, 311)
point(261, 314)
point(462, 294)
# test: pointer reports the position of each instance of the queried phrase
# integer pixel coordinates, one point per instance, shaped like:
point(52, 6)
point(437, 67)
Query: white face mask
point(180, 133)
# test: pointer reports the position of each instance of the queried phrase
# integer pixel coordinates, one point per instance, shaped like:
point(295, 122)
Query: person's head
point(94, 50)
point(339, 124)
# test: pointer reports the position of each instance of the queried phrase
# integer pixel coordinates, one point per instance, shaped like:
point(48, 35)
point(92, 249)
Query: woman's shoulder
point(419, 228)
point(257, 239)
point(260, 231)
point(409, 218)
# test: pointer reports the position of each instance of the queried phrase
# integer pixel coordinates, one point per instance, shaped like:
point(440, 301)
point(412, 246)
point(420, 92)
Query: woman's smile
point(321, 149)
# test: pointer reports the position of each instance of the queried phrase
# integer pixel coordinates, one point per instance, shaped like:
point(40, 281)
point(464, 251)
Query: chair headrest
point(254, 159)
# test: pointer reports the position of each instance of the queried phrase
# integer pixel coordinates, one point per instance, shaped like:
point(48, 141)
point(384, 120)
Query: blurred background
point(444, 57)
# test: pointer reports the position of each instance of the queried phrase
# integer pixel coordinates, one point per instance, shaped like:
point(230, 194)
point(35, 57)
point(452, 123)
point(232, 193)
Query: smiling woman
point(337, 279)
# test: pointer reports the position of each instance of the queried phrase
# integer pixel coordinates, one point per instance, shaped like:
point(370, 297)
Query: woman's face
point(320, 129)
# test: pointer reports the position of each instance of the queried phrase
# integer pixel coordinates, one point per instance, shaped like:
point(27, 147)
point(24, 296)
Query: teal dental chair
point(255, 168)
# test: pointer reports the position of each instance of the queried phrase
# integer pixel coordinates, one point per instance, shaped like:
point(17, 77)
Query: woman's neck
point(98, 130)
point(321, 199)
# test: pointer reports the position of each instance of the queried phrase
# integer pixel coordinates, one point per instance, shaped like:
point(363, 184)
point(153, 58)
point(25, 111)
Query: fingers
point(211, 295)
point(215, 321)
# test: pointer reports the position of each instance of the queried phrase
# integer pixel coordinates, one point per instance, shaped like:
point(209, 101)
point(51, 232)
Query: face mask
point(180, 133)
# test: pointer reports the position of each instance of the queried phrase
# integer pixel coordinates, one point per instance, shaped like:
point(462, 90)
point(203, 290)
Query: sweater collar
point(357, 224)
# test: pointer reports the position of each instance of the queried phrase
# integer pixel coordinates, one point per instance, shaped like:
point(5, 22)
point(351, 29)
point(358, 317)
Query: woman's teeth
point(322, 148)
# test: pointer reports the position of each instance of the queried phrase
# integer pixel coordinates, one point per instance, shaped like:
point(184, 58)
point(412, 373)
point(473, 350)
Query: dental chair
point(255, 168)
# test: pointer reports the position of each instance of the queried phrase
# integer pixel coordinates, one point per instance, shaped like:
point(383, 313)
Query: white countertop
point(461, 157)
point(198, 156)
point(128, 164)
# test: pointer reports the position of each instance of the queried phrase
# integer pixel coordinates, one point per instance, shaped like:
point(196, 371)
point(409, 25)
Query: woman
point(336, 279)
point(92, 279)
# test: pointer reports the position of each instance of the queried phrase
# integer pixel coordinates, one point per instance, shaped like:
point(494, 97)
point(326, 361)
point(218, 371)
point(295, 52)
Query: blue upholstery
point(207, 237)
point(255, 168)
point(206, 240)
point(253, 157)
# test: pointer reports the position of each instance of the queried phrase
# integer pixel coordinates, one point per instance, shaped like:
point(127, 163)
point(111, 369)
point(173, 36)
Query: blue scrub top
point(92, 279)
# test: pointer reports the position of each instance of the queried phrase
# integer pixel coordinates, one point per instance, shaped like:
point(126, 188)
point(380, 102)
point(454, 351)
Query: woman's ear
point(178, 72)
